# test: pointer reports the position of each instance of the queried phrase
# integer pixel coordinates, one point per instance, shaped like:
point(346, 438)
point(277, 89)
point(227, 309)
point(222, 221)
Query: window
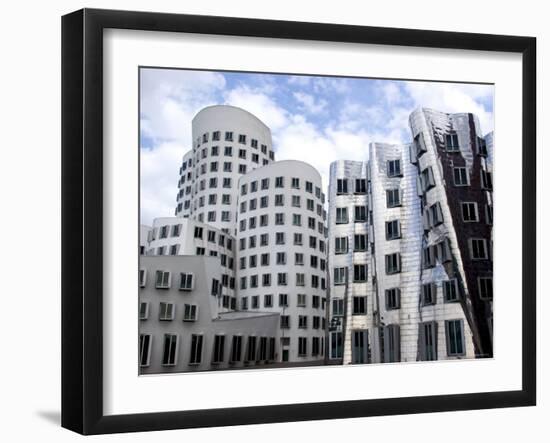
point(242, 139)
point(428, 294)
point(296, 201)
point(226, 216)
point(266, 279)
point(393, 198)
point(227, 166)
point(213, 166)
point(162, 280)
point(142, 277)
point(279, 182)
point(166, 311)
point(360, 214)
point(296, 220)
point(337, 307)
point(143, 310)
point(393, 263)
point(359, 305)
point(281, 278)
point(198, 232)
point(428, 257)
point(144, 349)
point(264, 239)
point(176, 229)
point(264, 220)
point(360, 273)
point(310, 204)
point(254, 186)
point(219, 348)
point(279, 238)
point(392, 345)
point(393, 298)
point(341, 215)
point(169, 352)
point(341, 186)
point(427, 179)
point(336, 345)
point(393, 230)
point(216, 287)
point(489, 214)
point(297, 239)
point(360, 242)
point(340, 276)
point(486, 180)
point(244, 303)
point(302, 321)
point(265, 183)
point(295, 183)
point(478, 249)
point(394, 168)
point(283, 300)
point(251, 349)
point(268, 301)
point(298, 258)
point(195, 355)
point(252, 204)
point(279, 218)
point(254, 143)
point(469, 212)
point(186, 282)
point(285, 321)
point(313, 261)
point(236, 348)
point(226, 182)
point(455, 337)
point(311, 223)
point(281, 258)
point(485, 288)
point(190, 312)
point(450, 290)
point(242, 153)
point(427, 338)
point(360, 186)
point(434, 216)
point(229, 136)
point(216, 136)
point(255, 302)
point(301, 300)
point(302, 346)
point(300, 279)
point(163, 232)
point(461, 177)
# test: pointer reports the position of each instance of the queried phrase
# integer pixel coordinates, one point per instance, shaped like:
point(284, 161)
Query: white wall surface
point(30, 181)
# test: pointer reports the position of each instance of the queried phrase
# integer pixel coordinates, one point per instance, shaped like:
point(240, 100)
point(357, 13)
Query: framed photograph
point(270, 221)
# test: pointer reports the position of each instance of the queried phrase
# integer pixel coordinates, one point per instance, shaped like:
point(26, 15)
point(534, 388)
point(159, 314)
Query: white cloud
point(259, 103)
point(309, 104)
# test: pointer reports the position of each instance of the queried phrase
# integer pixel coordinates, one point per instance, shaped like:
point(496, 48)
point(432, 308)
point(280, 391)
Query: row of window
point(281, 259)
point(279, 183)
point(341, 244)
point(163, 280)
point(296, 202)
point(360, 214)
point(257, 349)
point(342, 186)
point(281, 239)
point(280, 220)
point(228, 137)
point(301, 301)
point(167, 311)
point(360, 274)
point(253, 281)
point(227, 152)
point(359, 306)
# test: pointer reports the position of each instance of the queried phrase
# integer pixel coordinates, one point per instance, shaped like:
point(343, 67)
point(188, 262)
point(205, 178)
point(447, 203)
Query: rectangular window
point(216, 136)
point(360, 242)
point(485, 287)
point(393, 263)
point(198, 232)
point(340, 276)
point(427, 339)
point(393, 230)
point(486, 180)
point(451, 142)
point(394, 168)
point(450, 290)
point(281, 278)
point(162, 280)
point(360, 214)
point(166, 311)
point(195, 355)
point(285, 321)
point(169, 352)
point(341, 215)
point(360, 273)
point(340, 245)
point(302, 346)
point(236, 348)
point(265, 183)
point(302, 321)
point(393, 298)
point(143, 310)
point(461, 177)
point(266, 279)
point(242, 139)
point(393, 198)
point(219, 349)
point(336, 345)
point(186, 281)
point(279, 238)
point(359, 305)
point(279, 182)
point(454, 333)
point(341, 186)
point(251, 349)
point(190, 312)
point(469, 212)
point(360, 186)
point(268, 301)
point(298, 239)
point(392, 345)
point(295, 183)
point(428, 294)
point(478, 249)
point(300, 279)
point(144, 349)
point(142, 277)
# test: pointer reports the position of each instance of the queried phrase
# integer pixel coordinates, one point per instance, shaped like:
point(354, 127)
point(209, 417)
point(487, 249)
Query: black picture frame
point(82, 218)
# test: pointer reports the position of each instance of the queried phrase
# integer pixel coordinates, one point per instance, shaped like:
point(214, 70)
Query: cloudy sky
point(314, 119)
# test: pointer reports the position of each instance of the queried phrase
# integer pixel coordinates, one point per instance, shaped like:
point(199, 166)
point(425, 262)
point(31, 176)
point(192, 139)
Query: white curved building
point(228, 142)
point(281, 253)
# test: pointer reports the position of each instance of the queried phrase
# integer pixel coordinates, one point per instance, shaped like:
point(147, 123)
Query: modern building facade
point(429, 289)
point(228, 142)
point(281, 253)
